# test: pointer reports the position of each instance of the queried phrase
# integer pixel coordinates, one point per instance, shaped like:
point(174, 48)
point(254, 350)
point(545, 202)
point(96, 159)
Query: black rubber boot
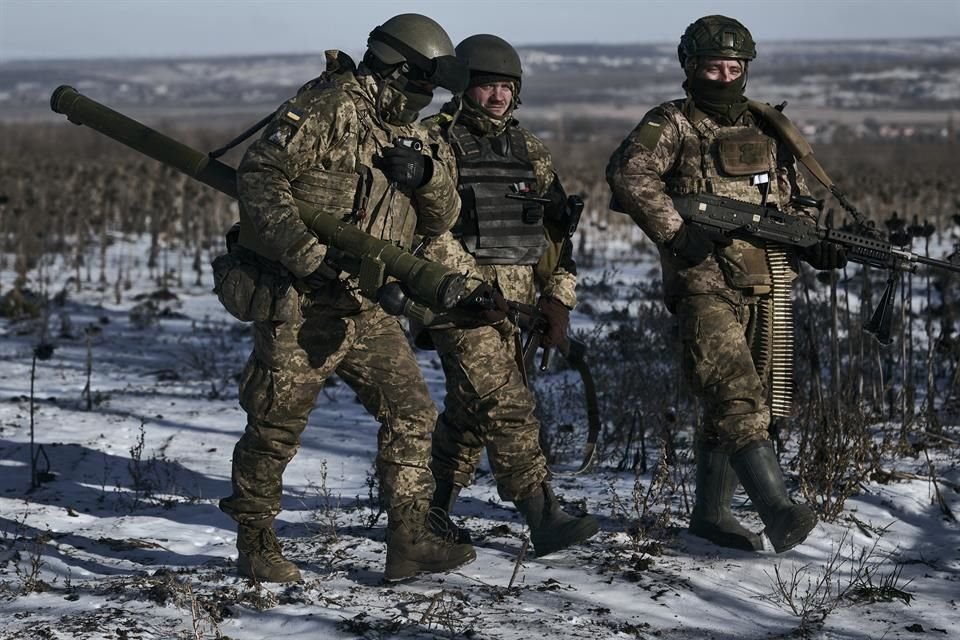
point(551, 528)
point(711, 518)
point(261, 558)
point(444, 497)
point(787, 523)
point(414, 548)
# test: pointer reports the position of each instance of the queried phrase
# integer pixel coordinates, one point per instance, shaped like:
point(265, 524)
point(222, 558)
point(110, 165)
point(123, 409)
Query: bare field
point(798, 112)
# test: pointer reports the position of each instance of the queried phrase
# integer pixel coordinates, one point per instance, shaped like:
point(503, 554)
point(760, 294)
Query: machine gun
point(743, 219)
point(370, 258)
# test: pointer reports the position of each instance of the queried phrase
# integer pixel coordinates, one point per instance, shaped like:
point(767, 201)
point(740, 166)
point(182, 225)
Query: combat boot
point(787, 524)
point(414, 548)
point(261, 558)
point(711, 518)
point(551, 528)
point(444, 497)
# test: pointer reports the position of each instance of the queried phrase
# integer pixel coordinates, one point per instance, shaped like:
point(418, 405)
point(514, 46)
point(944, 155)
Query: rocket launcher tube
point(429, 282)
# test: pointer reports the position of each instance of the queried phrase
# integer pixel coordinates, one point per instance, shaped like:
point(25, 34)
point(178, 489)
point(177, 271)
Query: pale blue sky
point(160, 28)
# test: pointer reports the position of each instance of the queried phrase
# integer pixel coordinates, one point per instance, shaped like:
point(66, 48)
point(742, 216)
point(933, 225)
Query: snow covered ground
point(124, 539)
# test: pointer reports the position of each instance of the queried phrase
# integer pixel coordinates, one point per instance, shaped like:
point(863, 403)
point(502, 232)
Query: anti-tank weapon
point(765, 222)
point(372, 259)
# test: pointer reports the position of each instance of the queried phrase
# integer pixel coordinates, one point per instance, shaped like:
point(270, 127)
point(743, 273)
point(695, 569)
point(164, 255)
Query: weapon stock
point(574, 351)
point(429, 282)
point(743, 219)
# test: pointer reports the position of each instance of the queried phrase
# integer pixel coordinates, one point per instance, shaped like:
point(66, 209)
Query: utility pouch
point(252, 289)
point(744, 152)
point(744, 267)
point(336, 191)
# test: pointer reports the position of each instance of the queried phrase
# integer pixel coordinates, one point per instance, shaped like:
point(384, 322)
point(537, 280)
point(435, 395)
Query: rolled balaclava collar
point(725, 102)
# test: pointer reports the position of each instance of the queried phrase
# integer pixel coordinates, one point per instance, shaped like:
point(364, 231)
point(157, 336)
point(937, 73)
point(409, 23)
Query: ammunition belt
point(781, 333)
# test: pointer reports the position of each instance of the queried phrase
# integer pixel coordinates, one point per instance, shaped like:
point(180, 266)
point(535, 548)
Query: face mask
point(723, 101)
point(717, 91)
point(400, 101)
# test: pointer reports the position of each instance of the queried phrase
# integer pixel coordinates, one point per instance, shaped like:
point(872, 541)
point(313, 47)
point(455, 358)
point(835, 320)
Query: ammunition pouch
point(253, 289)
point(744, 267)
point(744, 152)
point(337, 192)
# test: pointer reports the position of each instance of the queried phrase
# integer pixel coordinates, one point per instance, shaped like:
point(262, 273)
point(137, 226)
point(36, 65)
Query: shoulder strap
point(518, 144)
point(800, 148)
point(463, 142)
point(795, 141)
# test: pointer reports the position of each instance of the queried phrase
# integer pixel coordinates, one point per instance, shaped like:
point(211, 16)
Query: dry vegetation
point(65, 193)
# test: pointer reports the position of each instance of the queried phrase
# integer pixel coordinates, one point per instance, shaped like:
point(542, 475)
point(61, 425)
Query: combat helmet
point(490, 59)
point(715, 37)
point(420, 49)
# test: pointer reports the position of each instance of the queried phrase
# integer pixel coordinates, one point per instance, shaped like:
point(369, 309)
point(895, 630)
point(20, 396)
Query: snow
point(126, 540)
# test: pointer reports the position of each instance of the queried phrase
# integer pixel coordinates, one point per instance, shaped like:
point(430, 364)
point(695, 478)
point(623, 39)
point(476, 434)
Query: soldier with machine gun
point(730, 295)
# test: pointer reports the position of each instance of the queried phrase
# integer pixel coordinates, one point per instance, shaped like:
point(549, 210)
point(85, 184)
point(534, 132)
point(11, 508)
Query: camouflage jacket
point(320, 148)
point(554, 276)
point(678, 150)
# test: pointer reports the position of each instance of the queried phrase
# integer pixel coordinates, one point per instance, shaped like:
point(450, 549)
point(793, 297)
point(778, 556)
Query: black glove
point(694, 244)
point(321, 276)
point(406, 167)
point(487, 303)
point(532, 212)
point(558, 321)
point(824, 255)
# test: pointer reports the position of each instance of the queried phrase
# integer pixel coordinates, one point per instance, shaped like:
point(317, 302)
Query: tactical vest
point(491, 225)
point(729, 161)
point(344, 183)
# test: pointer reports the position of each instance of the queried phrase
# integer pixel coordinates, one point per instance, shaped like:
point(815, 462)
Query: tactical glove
point(487, 303)
point(532, 212)
point(824, 255)
point(406, 167)
point(694, 244)
point(321, 276)
point(558, 321)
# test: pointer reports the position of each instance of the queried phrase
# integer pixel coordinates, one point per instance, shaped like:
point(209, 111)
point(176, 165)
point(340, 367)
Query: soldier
point(510, 248)
point(711, 142)
point(336, 144)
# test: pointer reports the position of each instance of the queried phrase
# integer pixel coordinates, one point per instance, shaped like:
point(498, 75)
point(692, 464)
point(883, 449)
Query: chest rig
point(734, 161)
point(491, 225)
point(342, 181)
point(345, 178)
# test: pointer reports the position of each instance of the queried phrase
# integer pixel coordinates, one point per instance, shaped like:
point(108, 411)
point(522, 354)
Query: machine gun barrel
point(429, 282)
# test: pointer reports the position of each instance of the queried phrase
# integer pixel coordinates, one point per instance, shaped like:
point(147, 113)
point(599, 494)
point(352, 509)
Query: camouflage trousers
point(716, 338)
point(279, 387)
point(487, 407)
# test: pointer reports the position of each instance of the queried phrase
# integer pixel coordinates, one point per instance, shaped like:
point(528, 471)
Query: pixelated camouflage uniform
point(675, 151)
point(320, 148)
point(487, 403)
